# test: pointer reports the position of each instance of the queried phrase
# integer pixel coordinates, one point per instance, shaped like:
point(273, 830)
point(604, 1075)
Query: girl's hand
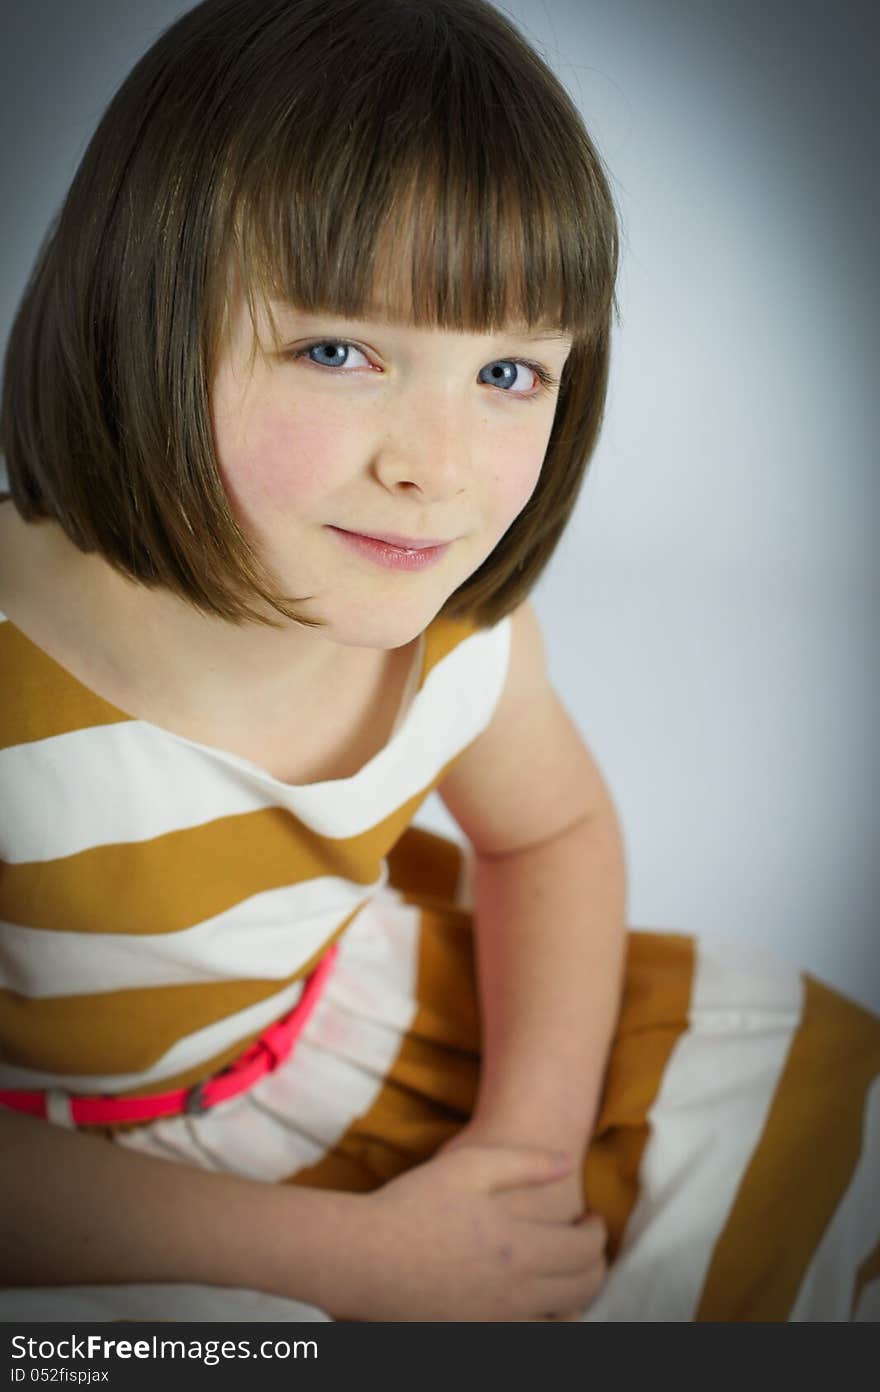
point(441, 1242)
point(561, 1200)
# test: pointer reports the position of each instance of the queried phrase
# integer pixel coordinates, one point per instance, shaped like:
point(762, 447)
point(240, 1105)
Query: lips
point(390, 554)
point(394, 539)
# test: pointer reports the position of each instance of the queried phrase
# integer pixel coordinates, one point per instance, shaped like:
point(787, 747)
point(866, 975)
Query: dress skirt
point(735, 1156)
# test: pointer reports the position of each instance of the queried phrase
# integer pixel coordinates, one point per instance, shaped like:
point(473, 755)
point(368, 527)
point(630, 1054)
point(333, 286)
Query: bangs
point(415, 187)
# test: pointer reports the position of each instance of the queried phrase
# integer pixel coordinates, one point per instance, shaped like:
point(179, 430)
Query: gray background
point(711, 614)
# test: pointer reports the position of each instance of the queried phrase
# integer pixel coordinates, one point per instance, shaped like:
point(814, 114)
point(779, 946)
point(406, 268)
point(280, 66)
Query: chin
point(388, 635)
point(384, 626)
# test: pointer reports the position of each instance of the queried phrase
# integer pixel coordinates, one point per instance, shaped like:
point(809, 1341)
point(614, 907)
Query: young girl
point(296, 407)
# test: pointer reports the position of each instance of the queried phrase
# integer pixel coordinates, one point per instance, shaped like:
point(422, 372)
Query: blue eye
point(336, 350)
point(502, 373)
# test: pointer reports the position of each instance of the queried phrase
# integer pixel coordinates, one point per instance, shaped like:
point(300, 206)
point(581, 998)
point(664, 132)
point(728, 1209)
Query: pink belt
point(263, 1056)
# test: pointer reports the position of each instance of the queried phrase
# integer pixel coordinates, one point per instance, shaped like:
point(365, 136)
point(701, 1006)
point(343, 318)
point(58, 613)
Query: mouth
point(401, 553)
point(401, 542)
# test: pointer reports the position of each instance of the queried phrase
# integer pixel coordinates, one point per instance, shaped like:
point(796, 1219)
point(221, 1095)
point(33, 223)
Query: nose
point(426, 448)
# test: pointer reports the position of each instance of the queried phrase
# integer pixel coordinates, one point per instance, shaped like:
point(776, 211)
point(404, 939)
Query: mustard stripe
point(40, 697)
point(812, 1141)
point(657, 990)
point(425, 864)
point(123, 1032)
point(188, 876)
point(128, 1031)
point(442, 636)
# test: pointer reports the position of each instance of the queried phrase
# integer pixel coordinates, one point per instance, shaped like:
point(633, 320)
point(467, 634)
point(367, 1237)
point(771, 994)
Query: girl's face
point(379, 428)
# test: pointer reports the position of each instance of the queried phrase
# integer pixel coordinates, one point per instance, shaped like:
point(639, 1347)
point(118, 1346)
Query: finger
point(551, 1203)
point(595, 1221)
point(571, 1295)
point(569, 1250)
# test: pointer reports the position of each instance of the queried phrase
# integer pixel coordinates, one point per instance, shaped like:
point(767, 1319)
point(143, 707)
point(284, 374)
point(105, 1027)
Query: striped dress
point(161, 902)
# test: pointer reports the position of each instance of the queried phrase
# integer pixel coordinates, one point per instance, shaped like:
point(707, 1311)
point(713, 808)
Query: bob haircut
point(288, 145)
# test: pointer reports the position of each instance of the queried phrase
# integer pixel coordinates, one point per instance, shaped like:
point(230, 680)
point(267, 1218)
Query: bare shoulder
point(529, 776)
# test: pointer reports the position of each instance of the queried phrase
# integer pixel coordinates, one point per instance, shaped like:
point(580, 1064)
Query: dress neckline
point(240, 761)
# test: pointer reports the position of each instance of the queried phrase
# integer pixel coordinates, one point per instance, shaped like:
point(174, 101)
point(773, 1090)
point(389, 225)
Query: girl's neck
point(143, 639)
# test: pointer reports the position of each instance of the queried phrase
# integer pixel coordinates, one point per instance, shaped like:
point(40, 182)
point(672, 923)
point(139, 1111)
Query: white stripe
point(58, 1109)
point(184, 1054)
point(178, 1304)
point(132, 781)
point(267, 935)
point(292, 1117)
point(708, 1117)
point(827, 1289)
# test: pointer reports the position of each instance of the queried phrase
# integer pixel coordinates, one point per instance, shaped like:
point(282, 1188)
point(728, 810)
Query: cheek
point(515, 476)
point(282, 464)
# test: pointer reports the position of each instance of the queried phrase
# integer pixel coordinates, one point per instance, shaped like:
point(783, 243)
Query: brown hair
point(290, 140)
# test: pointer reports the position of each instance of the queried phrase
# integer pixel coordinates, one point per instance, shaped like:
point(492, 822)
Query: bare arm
point(550, 948)
point(439, 1242)
point(549, 891)
point(78, 1209)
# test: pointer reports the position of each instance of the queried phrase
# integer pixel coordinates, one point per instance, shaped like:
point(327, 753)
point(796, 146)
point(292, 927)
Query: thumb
point(511, 1167)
